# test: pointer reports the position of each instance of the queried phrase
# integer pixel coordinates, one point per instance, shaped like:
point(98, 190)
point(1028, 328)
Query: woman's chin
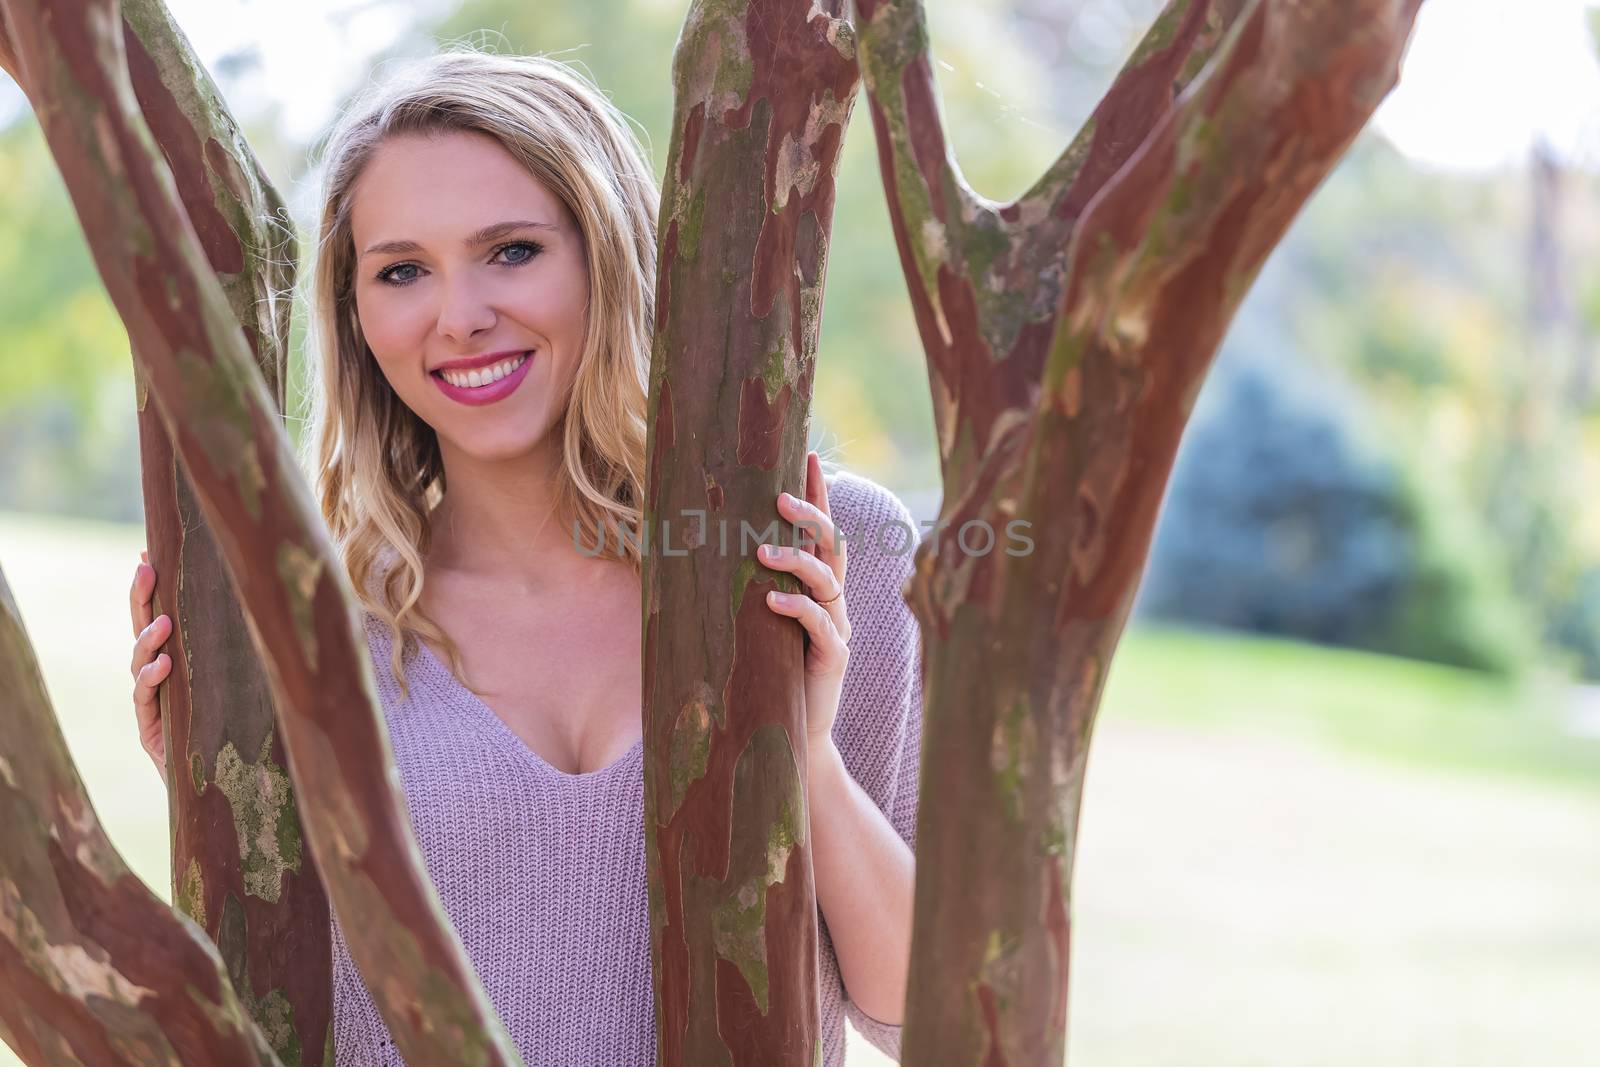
point(497, 448)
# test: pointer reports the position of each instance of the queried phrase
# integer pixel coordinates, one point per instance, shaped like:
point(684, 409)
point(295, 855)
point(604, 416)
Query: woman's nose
point(463, 312)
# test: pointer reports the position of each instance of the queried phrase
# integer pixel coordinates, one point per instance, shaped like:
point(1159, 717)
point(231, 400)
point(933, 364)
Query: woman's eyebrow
point(484, 236)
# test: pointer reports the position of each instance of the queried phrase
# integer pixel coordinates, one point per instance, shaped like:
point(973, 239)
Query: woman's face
point(441, 278)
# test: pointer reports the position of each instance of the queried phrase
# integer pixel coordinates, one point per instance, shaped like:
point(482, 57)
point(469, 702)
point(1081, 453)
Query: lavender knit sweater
point(543, 872)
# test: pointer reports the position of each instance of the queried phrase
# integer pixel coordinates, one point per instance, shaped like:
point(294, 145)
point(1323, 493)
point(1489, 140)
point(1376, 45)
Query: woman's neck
point(498, 520)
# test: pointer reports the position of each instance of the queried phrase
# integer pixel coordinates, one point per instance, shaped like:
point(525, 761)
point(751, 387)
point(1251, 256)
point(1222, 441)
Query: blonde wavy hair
point(376, 466)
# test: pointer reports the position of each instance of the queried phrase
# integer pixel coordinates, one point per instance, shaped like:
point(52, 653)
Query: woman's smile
point(485, 385)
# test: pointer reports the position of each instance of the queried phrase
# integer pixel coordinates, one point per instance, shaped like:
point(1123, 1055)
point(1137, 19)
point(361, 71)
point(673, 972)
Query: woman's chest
point(563, 676)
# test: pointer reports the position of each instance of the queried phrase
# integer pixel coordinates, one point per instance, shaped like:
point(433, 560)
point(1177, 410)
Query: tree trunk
point(1067, 335)
point(297, 600)
point(95, 969)
point(763, 96)
point(239, 868)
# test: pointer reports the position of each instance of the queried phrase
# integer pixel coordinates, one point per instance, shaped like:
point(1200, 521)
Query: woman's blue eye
point(387, 274)
point(532, 248)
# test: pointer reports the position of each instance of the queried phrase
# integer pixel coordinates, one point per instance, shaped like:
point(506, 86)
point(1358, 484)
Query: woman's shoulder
point(881, 537)
point(864, 508)
point(880, 533)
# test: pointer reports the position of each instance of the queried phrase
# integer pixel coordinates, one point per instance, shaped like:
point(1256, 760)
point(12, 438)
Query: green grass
point(1422, 714)
point(1289, 855)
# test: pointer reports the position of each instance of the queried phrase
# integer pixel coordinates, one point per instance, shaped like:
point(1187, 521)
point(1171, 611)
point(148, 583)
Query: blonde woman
point(483, 295)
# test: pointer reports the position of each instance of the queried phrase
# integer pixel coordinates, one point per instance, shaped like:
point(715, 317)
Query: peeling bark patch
point(761, 424)
point(691, 746)
point(797, 170)
point(192, 893)
point(275, 1018)
point(70, 969)
point(299, 570)
point(197, 774)
point(721, 68)
point(263, 818)
point(994, 1055)
point(1011, 753)
point(89, 846)
point(693, 126)
point(739, 924)
point(273, 1014)
point(743, 574)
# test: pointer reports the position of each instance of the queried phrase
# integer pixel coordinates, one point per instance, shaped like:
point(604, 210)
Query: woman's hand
point(149, 669)
point(820, 567)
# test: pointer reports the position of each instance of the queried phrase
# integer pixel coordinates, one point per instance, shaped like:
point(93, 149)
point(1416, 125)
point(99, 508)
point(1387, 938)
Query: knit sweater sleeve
point(879, 725)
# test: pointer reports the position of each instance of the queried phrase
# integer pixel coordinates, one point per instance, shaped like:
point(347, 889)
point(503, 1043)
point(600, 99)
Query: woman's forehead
point(446, 186)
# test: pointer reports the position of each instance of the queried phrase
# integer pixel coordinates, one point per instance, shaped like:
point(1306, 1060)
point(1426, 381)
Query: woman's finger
point(825, 637)
point(140, 595)
point(147, 711)
point(817, 576)
point(147, 696)
point(814, 519)
point(146, 683)
point(151, 638)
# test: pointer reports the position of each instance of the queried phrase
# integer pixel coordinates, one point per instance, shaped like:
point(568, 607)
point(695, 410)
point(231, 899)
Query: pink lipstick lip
point(486, 394)
point(488, 359)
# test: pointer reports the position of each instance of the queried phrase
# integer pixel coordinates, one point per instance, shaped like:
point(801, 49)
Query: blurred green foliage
point(66, 384)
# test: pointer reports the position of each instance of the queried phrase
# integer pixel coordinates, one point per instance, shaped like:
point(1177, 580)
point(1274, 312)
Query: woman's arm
point(864, 878)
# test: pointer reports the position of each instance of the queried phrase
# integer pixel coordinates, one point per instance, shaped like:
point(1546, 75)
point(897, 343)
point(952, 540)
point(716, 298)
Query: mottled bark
point(764, 91)
point(239, 868)
point(8, 52)
point(1067, 334)
point(295, 593)
point(95, 969)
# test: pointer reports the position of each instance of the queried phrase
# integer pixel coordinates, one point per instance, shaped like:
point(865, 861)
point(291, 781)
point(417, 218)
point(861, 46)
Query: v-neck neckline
point(512, 738)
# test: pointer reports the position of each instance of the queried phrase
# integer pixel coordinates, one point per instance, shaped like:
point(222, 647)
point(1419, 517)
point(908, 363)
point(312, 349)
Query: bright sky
point(1483, 78)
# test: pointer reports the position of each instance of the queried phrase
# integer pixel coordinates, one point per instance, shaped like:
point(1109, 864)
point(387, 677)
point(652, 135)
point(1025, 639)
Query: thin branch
point(289, 579)
point(95, 968)
point(1166, 61)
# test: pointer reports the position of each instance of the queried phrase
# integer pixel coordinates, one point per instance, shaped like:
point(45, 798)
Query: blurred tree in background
point(1395, 437)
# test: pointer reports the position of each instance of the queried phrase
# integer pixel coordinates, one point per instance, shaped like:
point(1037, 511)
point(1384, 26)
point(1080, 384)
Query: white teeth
point(474, 379)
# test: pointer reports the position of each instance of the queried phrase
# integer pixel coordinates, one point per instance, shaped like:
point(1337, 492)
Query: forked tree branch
point(294, 590)
point(1063, 376)
point(984, 277)
point(95, 968)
